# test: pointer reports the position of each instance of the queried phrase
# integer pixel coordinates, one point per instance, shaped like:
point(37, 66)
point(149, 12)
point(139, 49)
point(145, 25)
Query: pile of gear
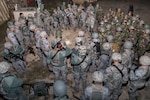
point(114, 54)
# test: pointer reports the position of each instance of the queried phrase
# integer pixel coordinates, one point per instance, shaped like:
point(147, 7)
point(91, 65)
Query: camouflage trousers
point(77, 76)
point(63, 70)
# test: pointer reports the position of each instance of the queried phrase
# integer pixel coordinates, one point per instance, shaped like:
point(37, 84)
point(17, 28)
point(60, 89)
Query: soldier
point(60, 90)
point(11, 86)
point(114, 46)
point(116, 74)
point(57, 58)
point(74, 7)
point(80, 62)
point(96, 91)
point(26, 36)
point(44, 47)
point(38, 39)
point(104, 57)
point(18, 34)
point(32, 33)
point(14, 54)
point(90, 23)
point(11, 35)
point(90, 8)
point(127, 55)
point(139, 76)
point(83, 19)
point(81, 34)
point(94, 51)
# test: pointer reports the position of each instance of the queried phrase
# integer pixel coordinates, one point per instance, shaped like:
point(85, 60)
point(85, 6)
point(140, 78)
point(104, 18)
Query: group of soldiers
point(114, 54)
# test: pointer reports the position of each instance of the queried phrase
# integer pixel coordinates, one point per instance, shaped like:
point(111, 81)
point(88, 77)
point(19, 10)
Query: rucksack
point(40, 89)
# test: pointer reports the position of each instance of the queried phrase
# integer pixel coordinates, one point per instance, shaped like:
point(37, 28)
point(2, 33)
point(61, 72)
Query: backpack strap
point(80, 62)
point(119, 70)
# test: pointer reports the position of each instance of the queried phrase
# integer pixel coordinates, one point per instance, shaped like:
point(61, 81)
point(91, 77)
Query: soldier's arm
point(68, 51)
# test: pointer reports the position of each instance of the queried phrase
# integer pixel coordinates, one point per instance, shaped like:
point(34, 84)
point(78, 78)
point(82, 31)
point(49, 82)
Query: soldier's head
point(128, 45)
point(11, 28)
point(144, 60)
point(119, 29)
point(4, 67)
point(81, 34)
point(98, 77)
point(60, 89)
point(43, 35)
point(32, 27)
point(131, 28)
point(109, 38)
point(106, 46)
point(82, 50)
point(116, 57)
point(8, 45)
point(78, 41)
point(95, 35)
point(108, 27)
point(21, 15)
point(102, 29)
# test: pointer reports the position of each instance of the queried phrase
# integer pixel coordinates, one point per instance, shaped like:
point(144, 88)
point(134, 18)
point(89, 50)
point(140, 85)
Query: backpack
point(40, 89)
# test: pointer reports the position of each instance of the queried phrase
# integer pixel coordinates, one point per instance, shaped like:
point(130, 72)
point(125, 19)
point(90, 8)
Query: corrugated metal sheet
point(4, 12)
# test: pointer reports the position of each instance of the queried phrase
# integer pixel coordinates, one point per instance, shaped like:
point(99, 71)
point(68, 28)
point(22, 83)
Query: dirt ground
point(35, 71)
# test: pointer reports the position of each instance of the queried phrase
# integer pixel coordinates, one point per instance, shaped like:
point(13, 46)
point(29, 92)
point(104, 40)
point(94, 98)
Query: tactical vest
point(97, 93)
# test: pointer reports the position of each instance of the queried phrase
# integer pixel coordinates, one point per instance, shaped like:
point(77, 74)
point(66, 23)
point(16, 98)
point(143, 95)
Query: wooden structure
point(4, 12)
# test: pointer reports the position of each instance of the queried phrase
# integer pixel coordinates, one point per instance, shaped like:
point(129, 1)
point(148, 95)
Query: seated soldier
point(10, 86)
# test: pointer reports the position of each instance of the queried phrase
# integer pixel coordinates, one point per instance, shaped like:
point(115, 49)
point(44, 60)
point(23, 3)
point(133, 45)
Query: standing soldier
point(90, 23)
point(127, 55)
point(11, 35)
point(80, 62)
point(57, 59)
point(116, 73)
point(94, 51)
point(26, 36)
point(104, 57)
point(32, 33)
point(44, 47)
point(83, 19)
point(138, 77)
point(96, 91)
point(18, 34)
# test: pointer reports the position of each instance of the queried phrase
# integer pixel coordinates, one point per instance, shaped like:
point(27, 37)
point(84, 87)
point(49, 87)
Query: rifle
point(16, 56)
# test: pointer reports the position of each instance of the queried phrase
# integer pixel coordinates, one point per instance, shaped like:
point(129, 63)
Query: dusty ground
point(37, 73)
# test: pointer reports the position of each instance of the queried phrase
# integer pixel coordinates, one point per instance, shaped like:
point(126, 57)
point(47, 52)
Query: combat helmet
point(116, 57)
point(4, 67)
point(60, 88)
point(109, 38)
point(95, 35)
point(106, 46)
point(97, 76)
point(145, 60)
point(128, 45)
point(8, 45)
point(81, 33)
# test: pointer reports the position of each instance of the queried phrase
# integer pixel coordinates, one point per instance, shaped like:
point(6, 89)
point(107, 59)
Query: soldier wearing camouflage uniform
point(127, 55)
point(96, 91)
point(115, 75)
point(44, 47)
point(138, 77)
point(57, 57)
point(80, 62)
point(104, 57)
point(14, 54)
point(11, 86)
point(94, 51)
